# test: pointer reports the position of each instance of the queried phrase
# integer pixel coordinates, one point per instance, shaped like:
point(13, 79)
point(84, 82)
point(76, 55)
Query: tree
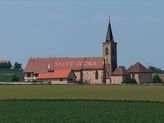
point(5, 65)
point(157, 79)
point(155, 69)
point(17, 66)
point(15, 78)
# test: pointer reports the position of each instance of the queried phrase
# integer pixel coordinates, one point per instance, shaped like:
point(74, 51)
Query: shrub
point(130, 81)
point(14, 78)
point(157, 79)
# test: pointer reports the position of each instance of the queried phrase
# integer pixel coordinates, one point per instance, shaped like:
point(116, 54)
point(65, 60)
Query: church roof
point(120, 71)
point(42, 65)
point(138, 68)
point(109, 36)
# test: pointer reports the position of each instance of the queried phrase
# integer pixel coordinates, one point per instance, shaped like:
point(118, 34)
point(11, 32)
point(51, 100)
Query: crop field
point(85, 92)
point(81, 103)
point(21, 111)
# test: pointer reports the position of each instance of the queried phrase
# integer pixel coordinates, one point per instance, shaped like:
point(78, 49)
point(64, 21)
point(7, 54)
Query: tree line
point(156, 70)
point(8, 65)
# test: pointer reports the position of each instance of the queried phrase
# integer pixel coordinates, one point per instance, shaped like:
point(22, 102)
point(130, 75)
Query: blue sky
point(76, 28)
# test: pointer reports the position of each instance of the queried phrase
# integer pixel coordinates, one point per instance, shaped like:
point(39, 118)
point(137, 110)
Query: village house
point(90, 70)
point(140, 73)
point(58, 77)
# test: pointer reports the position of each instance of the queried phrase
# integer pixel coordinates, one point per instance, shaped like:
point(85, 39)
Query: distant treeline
point(156, 70)
point(5, 65)
point(8, 65)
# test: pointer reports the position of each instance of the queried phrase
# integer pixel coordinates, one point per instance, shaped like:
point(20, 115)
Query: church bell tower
point(110, 51)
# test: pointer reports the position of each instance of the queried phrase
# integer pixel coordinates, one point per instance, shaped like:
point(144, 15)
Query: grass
point(22, 111)
point(6, 75)
point(85, 92)
point(81, 103)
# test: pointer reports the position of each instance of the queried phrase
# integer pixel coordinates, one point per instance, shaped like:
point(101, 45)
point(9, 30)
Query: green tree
point(5, 65)
point(155, 69)
point(15, 78)
point(157, 79)
point(17, 66)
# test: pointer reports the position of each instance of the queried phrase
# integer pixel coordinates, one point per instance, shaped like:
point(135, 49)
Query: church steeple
point(109, 35)
point(110, 51)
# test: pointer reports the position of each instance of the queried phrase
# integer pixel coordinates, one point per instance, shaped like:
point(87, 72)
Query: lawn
point(37, 111)
point(84, 92)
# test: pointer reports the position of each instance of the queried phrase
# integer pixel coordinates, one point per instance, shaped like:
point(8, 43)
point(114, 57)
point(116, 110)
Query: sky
point(77, 28)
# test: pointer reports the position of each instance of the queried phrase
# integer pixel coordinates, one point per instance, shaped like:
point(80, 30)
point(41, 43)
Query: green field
point(20, 111)
point(6, 75)
point(81, 103)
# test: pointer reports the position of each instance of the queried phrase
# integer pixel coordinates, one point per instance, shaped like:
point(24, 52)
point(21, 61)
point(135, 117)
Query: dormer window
point(49, 66)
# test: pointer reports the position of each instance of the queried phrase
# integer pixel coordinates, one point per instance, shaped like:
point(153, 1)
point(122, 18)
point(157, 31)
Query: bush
point(15, 78)
point(157, 79)
point(130, 81)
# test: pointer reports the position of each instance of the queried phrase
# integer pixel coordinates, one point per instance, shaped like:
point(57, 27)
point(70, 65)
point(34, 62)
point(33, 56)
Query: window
point(28, 74)
point(106, 51)
point(96, 75)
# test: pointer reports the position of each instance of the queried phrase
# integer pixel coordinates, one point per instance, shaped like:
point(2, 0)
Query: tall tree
point(17, 66)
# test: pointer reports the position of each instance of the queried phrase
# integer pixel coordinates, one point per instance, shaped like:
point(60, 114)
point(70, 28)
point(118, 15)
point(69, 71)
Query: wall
point(116, 79)
point(142, 77)
point(89, 76)
point(77, 73)
point(145, 77)
point(30, 78)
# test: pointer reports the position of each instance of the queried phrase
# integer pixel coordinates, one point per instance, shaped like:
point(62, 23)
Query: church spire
point(109, 36)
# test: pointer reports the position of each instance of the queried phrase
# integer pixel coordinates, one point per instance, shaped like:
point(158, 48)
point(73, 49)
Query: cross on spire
point(109, 36)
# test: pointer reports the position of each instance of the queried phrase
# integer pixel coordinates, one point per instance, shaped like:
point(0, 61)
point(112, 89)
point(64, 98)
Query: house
point(119, 76)
point(140, 73)
point(58, 77)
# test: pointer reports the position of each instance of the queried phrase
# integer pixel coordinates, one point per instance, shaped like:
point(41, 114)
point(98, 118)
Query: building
point(119, 76)
point(86, 69)
point(162, 78)
point(58, 77)
point(140, 73)
point(92, 70)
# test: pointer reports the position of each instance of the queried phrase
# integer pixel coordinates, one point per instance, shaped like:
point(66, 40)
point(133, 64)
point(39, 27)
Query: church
point(89, 70)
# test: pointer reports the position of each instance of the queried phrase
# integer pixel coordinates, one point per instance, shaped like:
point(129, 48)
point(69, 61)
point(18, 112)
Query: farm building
point(91, 70)
point(140, 73)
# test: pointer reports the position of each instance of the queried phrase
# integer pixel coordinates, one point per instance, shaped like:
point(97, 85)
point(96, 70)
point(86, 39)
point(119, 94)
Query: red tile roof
point(138, 68)
point(120, 71)
point(57, 74)
point(42, 65)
